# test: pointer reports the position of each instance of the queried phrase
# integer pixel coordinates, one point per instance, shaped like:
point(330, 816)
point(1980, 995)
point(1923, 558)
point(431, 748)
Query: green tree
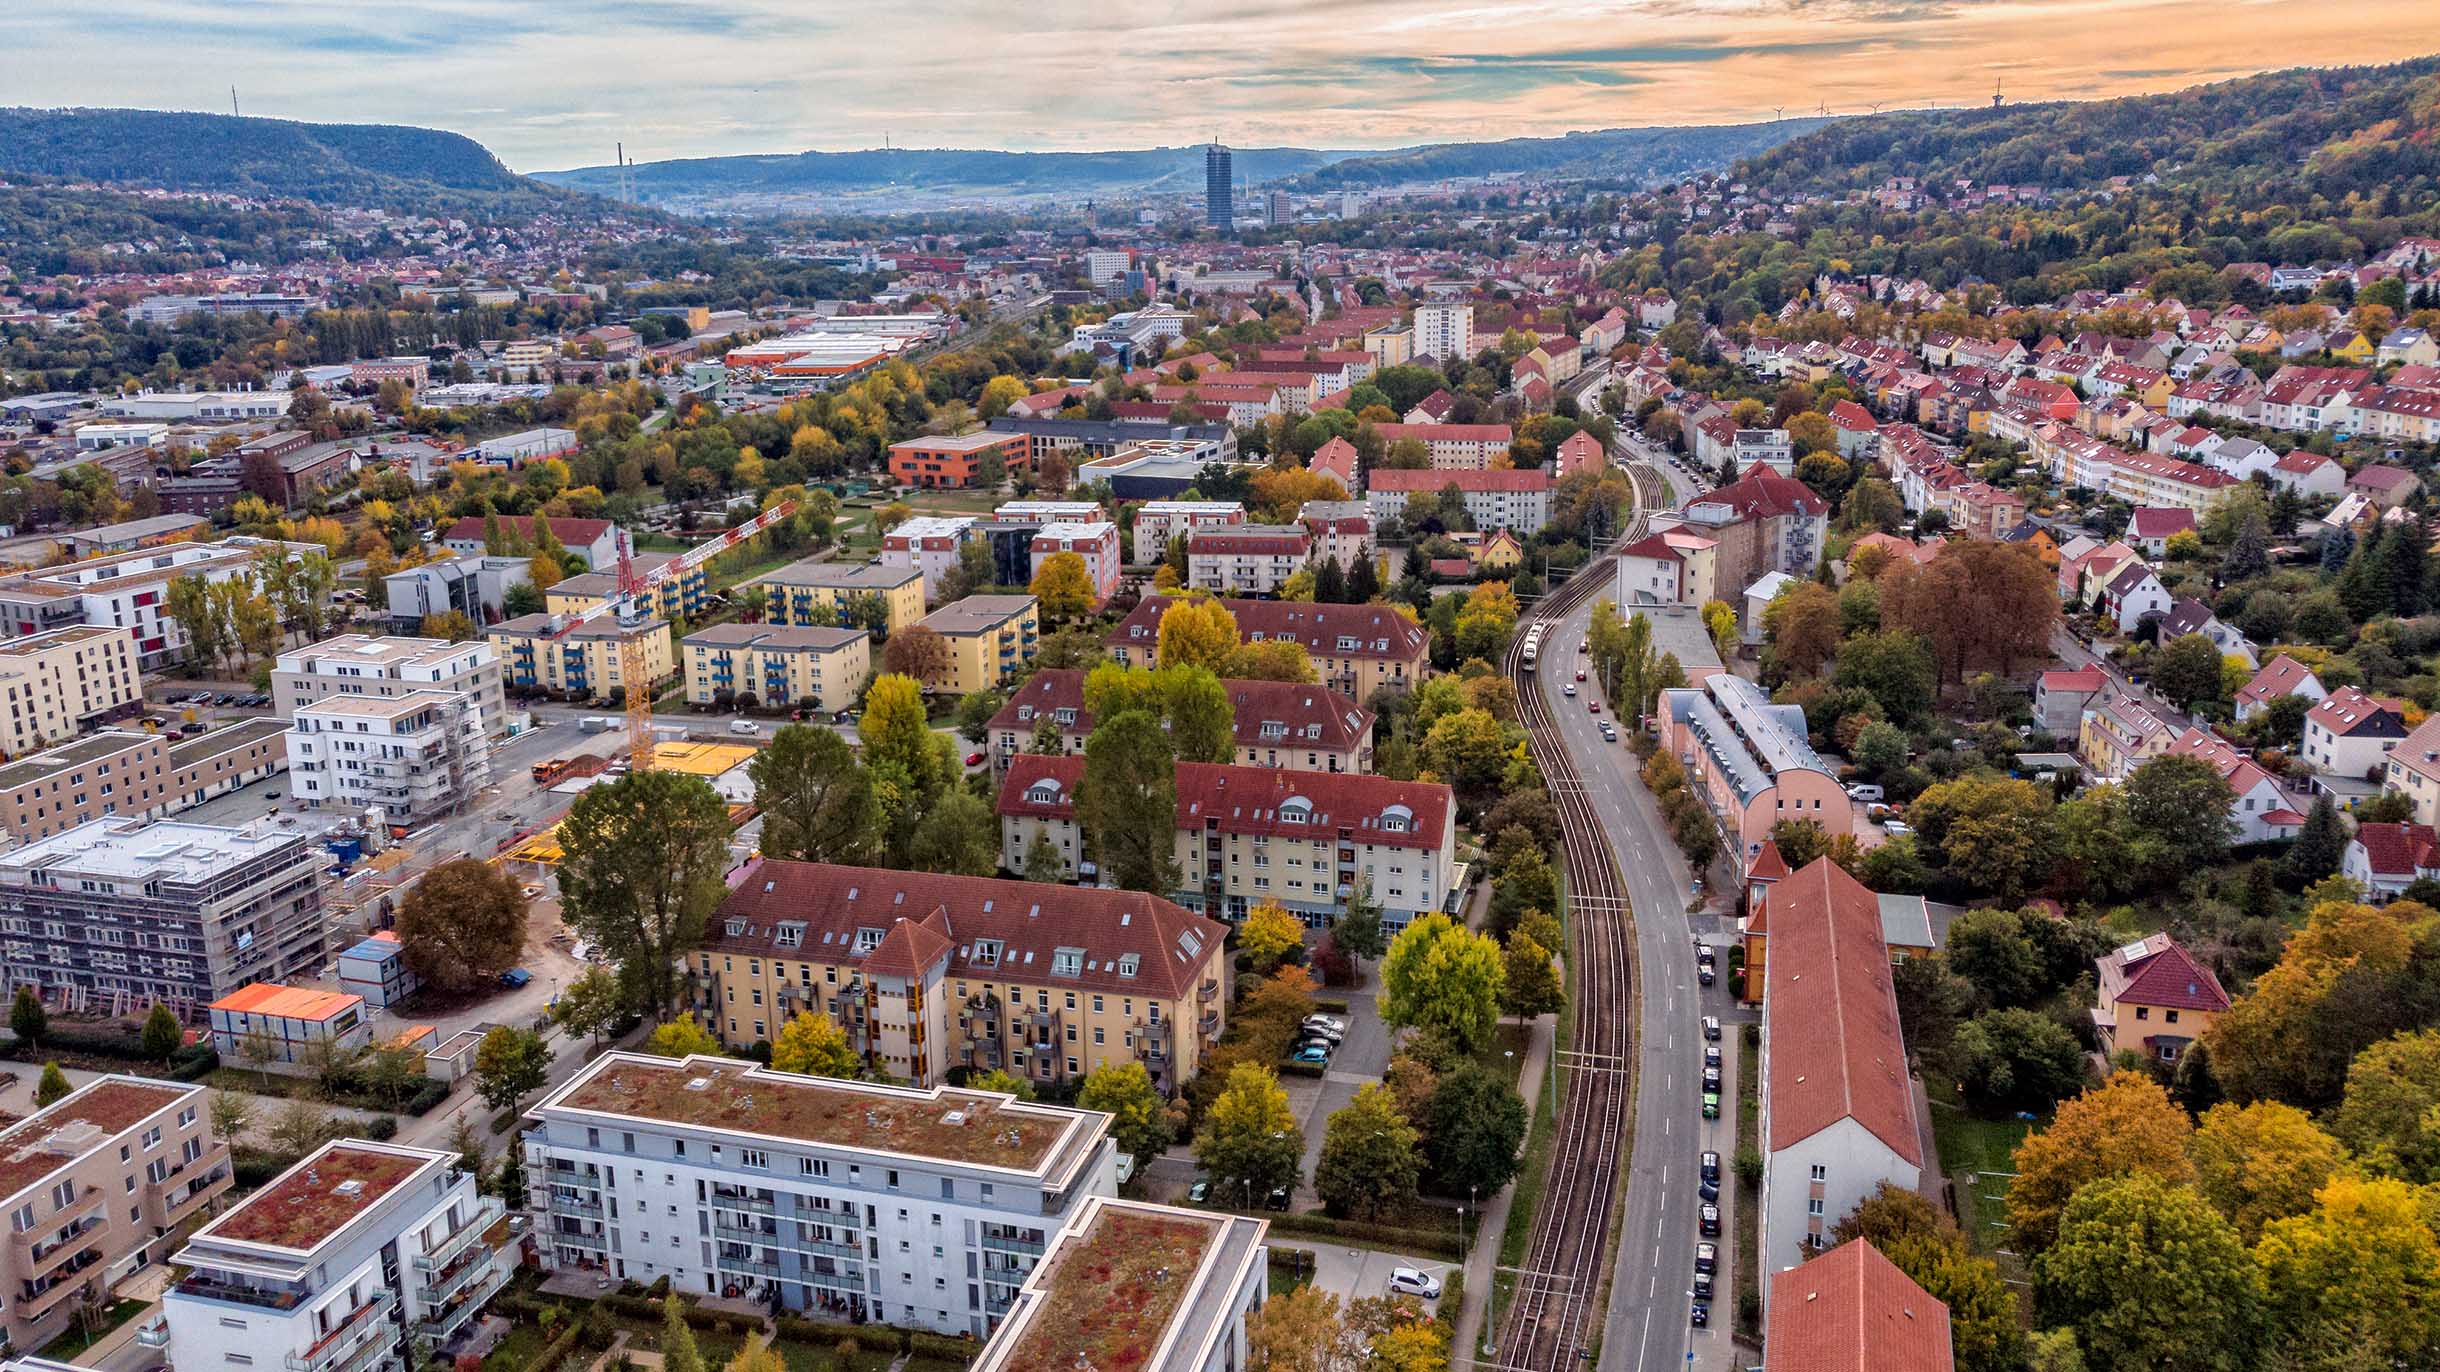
point(642, 865)
point(2320, 846)
point(1994, 836)
point(52, 1088)
point(959, 834)
point(1357, 930)
point(1439, 975)
point(2015, 1059)
point(162, 1033)
point(1477, 1125)
point(1249, 1143)
point(2150, 1276)
point(1202, 721)
point(1042, 860)
point(1124, 1091)
point(816, 801)
point(462, 925)
point(2186, 670)
point(590, 1005)
point(1530, 984)
point(232, 1111)
point(27, 1019)
point(509, 1063)
point(815, 1045)
point(1370, 1157)
point(678, 1351)
point(1468, 750)
point(1989, 948)
point(1895, 668)
point(2261, 1162)
point(1128, 805)
point(682, 1037)
point(2390, 1114)
point(2183, 805)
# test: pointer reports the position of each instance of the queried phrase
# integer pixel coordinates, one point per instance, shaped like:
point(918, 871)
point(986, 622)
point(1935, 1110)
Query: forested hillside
point(361, 164)
point(958, 169)
point(1628, 155)
point(2278, 137)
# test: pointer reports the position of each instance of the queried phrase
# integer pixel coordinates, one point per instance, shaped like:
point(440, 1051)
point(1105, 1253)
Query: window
point(754, 1157)
point(2143, 1012)
point(1067, 962)
point(2169, 1015)
point(1813, 1206)
point(1820, 1173)
point(1128, 963)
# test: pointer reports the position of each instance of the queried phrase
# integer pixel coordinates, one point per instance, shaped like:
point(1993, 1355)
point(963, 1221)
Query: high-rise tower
point(1219, 189)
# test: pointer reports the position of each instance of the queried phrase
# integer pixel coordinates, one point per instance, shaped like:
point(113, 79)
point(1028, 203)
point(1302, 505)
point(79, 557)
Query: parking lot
point(1354, 1273)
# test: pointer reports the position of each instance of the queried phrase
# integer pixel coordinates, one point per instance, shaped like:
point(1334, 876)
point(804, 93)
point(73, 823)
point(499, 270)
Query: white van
point(744, 726)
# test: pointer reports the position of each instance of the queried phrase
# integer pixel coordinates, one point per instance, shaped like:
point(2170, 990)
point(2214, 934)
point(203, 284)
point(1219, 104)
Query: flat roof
point(224, 740)
point(27, 770)
point(774, 636)
point(957, 443)
point(43, 642)
point(161, 850)
point(371, 650)
point(977, 613)
point(700, 759)
point(309, 1204)
point(79, 1124)
point(381, 707)
point(1128, 1287)
point(286, 1002)
point(970, 1127)
point(868, 576)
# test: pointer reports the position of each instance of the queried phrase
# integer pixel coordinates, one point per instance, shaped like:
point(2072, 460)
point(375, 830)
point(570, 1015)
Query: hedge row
point(646, 1308)
point(1292, 1262)
point(1293, 1068)
point(190, 1063)
point(1438, 1243)
point(587, 1330)
point(923, 1343)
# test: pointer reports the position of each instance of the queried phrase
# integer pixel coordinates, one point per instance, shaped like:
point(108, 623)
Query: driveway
point(1360, 1061)
point(1353, 1273)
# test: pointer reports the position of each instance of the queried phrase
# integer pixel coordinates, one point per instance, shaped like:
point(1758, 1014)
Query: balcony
point(1207, 991)
point(469, 1268)
point(1010, 1243)
point(743, 1233)
point(487, 1212)
point(64, 1284)
point(739, 1200)
point(36, 1241)
point(441, 1324)
point(849, 1283)
point(53, 1257)
point(744, 1266)
point(562, 1203)
point(349, 1336)
point(570, 1239)
point(240, 1293)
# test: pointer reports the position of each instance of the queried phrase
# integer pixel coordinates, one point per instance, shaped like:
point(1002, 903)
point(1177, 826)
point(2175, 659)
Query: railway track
point(1556, 1303)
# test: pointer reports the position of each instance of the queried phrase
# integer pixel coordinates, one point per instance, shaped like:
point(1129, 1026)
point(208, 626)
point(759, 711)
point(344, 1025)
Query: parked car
point(1711, 1166)
point(1711, 1028)
point(1865, 792)
point(1701, 1315)
point(1711, 1105)
point(1711, 1055)
point(1329, 1022)
point(1570, 688)
point(1703, 974)
point(1706, 1258)
point(1702, 1285)
point(516, 977)
point(1199, 1192)
point(1322, 1034)
point(1711, 1078)
point(1278, 1199)
point(1312, 1054)
point(1411, 1281)
point(1711, 1221)
point(974, 759)
point(744, 726)
point(1897, 827)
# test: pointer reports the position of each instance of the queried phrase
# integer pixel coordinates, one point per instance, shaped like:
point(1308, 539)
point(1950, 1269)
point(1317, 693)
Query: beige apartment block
point(54, 684)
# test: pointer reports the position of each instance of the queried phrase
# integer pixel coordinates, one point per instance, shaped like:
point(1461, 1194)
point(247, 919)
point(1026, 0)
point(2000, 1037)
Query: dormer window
point(868, 939)
point(791, 934)
point(1128, 963)
point(1025, 714)
point(1296, 811)
point(1067, 962)
point(1043, 793)
point(986, 952)
point(735, 927)
point(1065, 716)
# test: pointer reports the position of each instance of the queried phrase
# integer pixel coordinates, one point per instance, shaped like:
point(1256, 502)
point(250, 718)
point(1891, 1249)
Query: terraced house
point(909, 1205)
point(347, 1262)
point(93, 1184)
point(1249, 834)
point(928, 972)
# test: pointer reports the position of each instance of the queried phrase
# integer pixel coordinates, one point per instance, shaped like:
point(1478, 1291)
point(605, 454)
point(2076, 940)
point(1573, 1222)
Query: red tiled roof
point(1294, 704)
point(1828, 982)
point(2083, 682)
point(1852, 1310)
point(2157, 522)
point(2156, 971)
point(1249, 800)
point(1030, 919)
point(2396, 850)
point(1653, 546)
point(1319, 627)
point(1762, 491)
point(2281, 676)
point(570, 531)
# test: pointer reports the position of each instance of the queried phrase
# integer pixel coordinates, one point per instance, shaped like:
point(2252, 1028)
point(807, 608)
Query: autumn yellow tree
point(2126, 1124)
point(2261, 1162)
point(814, 1044)
point(1064, 585)
point(1279, 492)
point(1196, 632)
point(2356, 1282)
point(1268, 933)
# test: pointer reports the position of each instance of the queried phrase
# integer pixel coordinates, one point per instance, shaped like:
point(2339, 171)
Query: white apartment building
point(1158, 521)
point(385, 668)
point(131, 591)
point(1246, 559)
point(1518, 500)
point(1096, 541)
point(1102, 266)
point(927, 544)
point(1190, 1276)
point(1049, 512)
point(343, 1263)
point(1444, 329)
point(411, 756)
point(917, 1206)
point(53, 684)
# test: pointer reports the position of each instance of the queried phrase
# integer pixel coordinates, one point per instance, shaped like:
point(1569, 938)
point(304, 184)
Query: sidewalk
point(1493, 1222)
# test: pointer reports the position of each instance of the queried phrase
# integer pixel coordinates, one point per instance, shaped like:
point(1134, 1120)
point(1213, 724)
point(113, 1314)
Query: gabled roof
point(1318, 626)
point(2397, 850)
point(2281, 676)
point(1852, 1310)
point(2160, 522)
point(1836, 1052)
point(2156, 971)
point(2349, 713)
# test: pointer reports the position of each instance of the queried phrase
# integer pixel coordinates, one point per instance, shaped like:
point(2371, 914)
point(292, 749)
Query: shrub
point(381, 1128)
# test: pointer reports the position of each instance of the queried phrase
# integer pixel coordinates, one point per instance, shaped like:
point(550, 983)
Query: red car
point(1579, 674)
point(974, 759)
point(1594, 706)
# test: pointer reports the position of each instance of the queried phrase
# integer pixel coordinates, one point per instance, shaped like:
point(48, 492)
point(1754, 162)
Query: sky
point(551, 84)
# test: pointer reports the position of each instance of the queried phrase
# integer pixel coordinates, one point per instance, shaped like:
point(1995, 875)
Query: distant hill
point(1631, 155)
point(2326, 131)
point(1628, 154)
point(329, 163)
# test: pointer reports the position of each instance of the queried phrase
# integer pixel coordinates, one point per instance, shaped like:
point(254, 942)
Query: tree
point(1468, 750)
point(1893, 666)
point(1988, 947)
point(1802, 626)
point(52, 1088)
point(1196, 633)
point(2127, 1124)
point(1250, 1143)
point(1370, 1161)
point(1125, 1092)
point(452, 625)
point(1720, 621)
point(1530, 984)
point(816, 802)
point(2390, 1114)
point(1277, 659)
point(462, 925)
point(641, 863)
point(1978, 604)
point(2261, 1162)
point(2150, 1276)
point(1992, 835)
point(1268, 933)
point(231, 1113)
point(1932, 1002)
point(2015, 1059)
point(590, 1005)
point(162, 1034)
point(509, 1063)
point(1299, 1331)
point(2355, 1282)
point(1202, 721)
point(1477, 1125)
point(27, 1019)
point(1064, 585)
point(2183, 805)
point(919, 653)
point(1439, 975)
point(2321, 845)
point(682, 1038)
point(1357, 930)
point(1128, 805)
point(678, 1352)
point(2186, 670)
point(959, 834)
point(301, 1127)
point(815, 1045)
point(1043, 862)
point(2344, 982)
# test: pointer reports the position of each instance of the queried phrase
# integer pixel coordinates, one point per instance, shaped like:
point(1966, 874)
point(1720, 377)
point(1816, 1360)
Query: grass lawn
point(519, 1347)
point(76, 1340)
point(1969, 1146)
point(1749, 1198)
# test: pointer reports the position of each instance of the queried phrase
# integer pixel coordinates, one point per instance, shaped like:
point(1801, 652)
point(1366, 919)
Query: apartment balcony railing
point(450, 1280)
point(571, 1239)
point(744, 1266)
point(487, 1212)
point(348, 1337)
point(35, 1241)
point(440, 1324)
point(1010, 1243)
point(738, 1200)
point(562, 1203)
point(241, 1293)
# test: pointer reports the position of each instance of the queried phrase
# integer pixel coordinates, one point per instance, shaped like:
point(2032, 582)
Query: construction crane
point(632, 603)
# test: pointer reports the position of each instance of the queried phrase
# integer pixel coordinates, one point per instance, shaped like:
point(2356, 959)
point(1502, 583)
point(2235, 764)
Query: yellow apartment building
point(779, 666)
point(817, 594)
point(582, 662)
point(989, 636)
